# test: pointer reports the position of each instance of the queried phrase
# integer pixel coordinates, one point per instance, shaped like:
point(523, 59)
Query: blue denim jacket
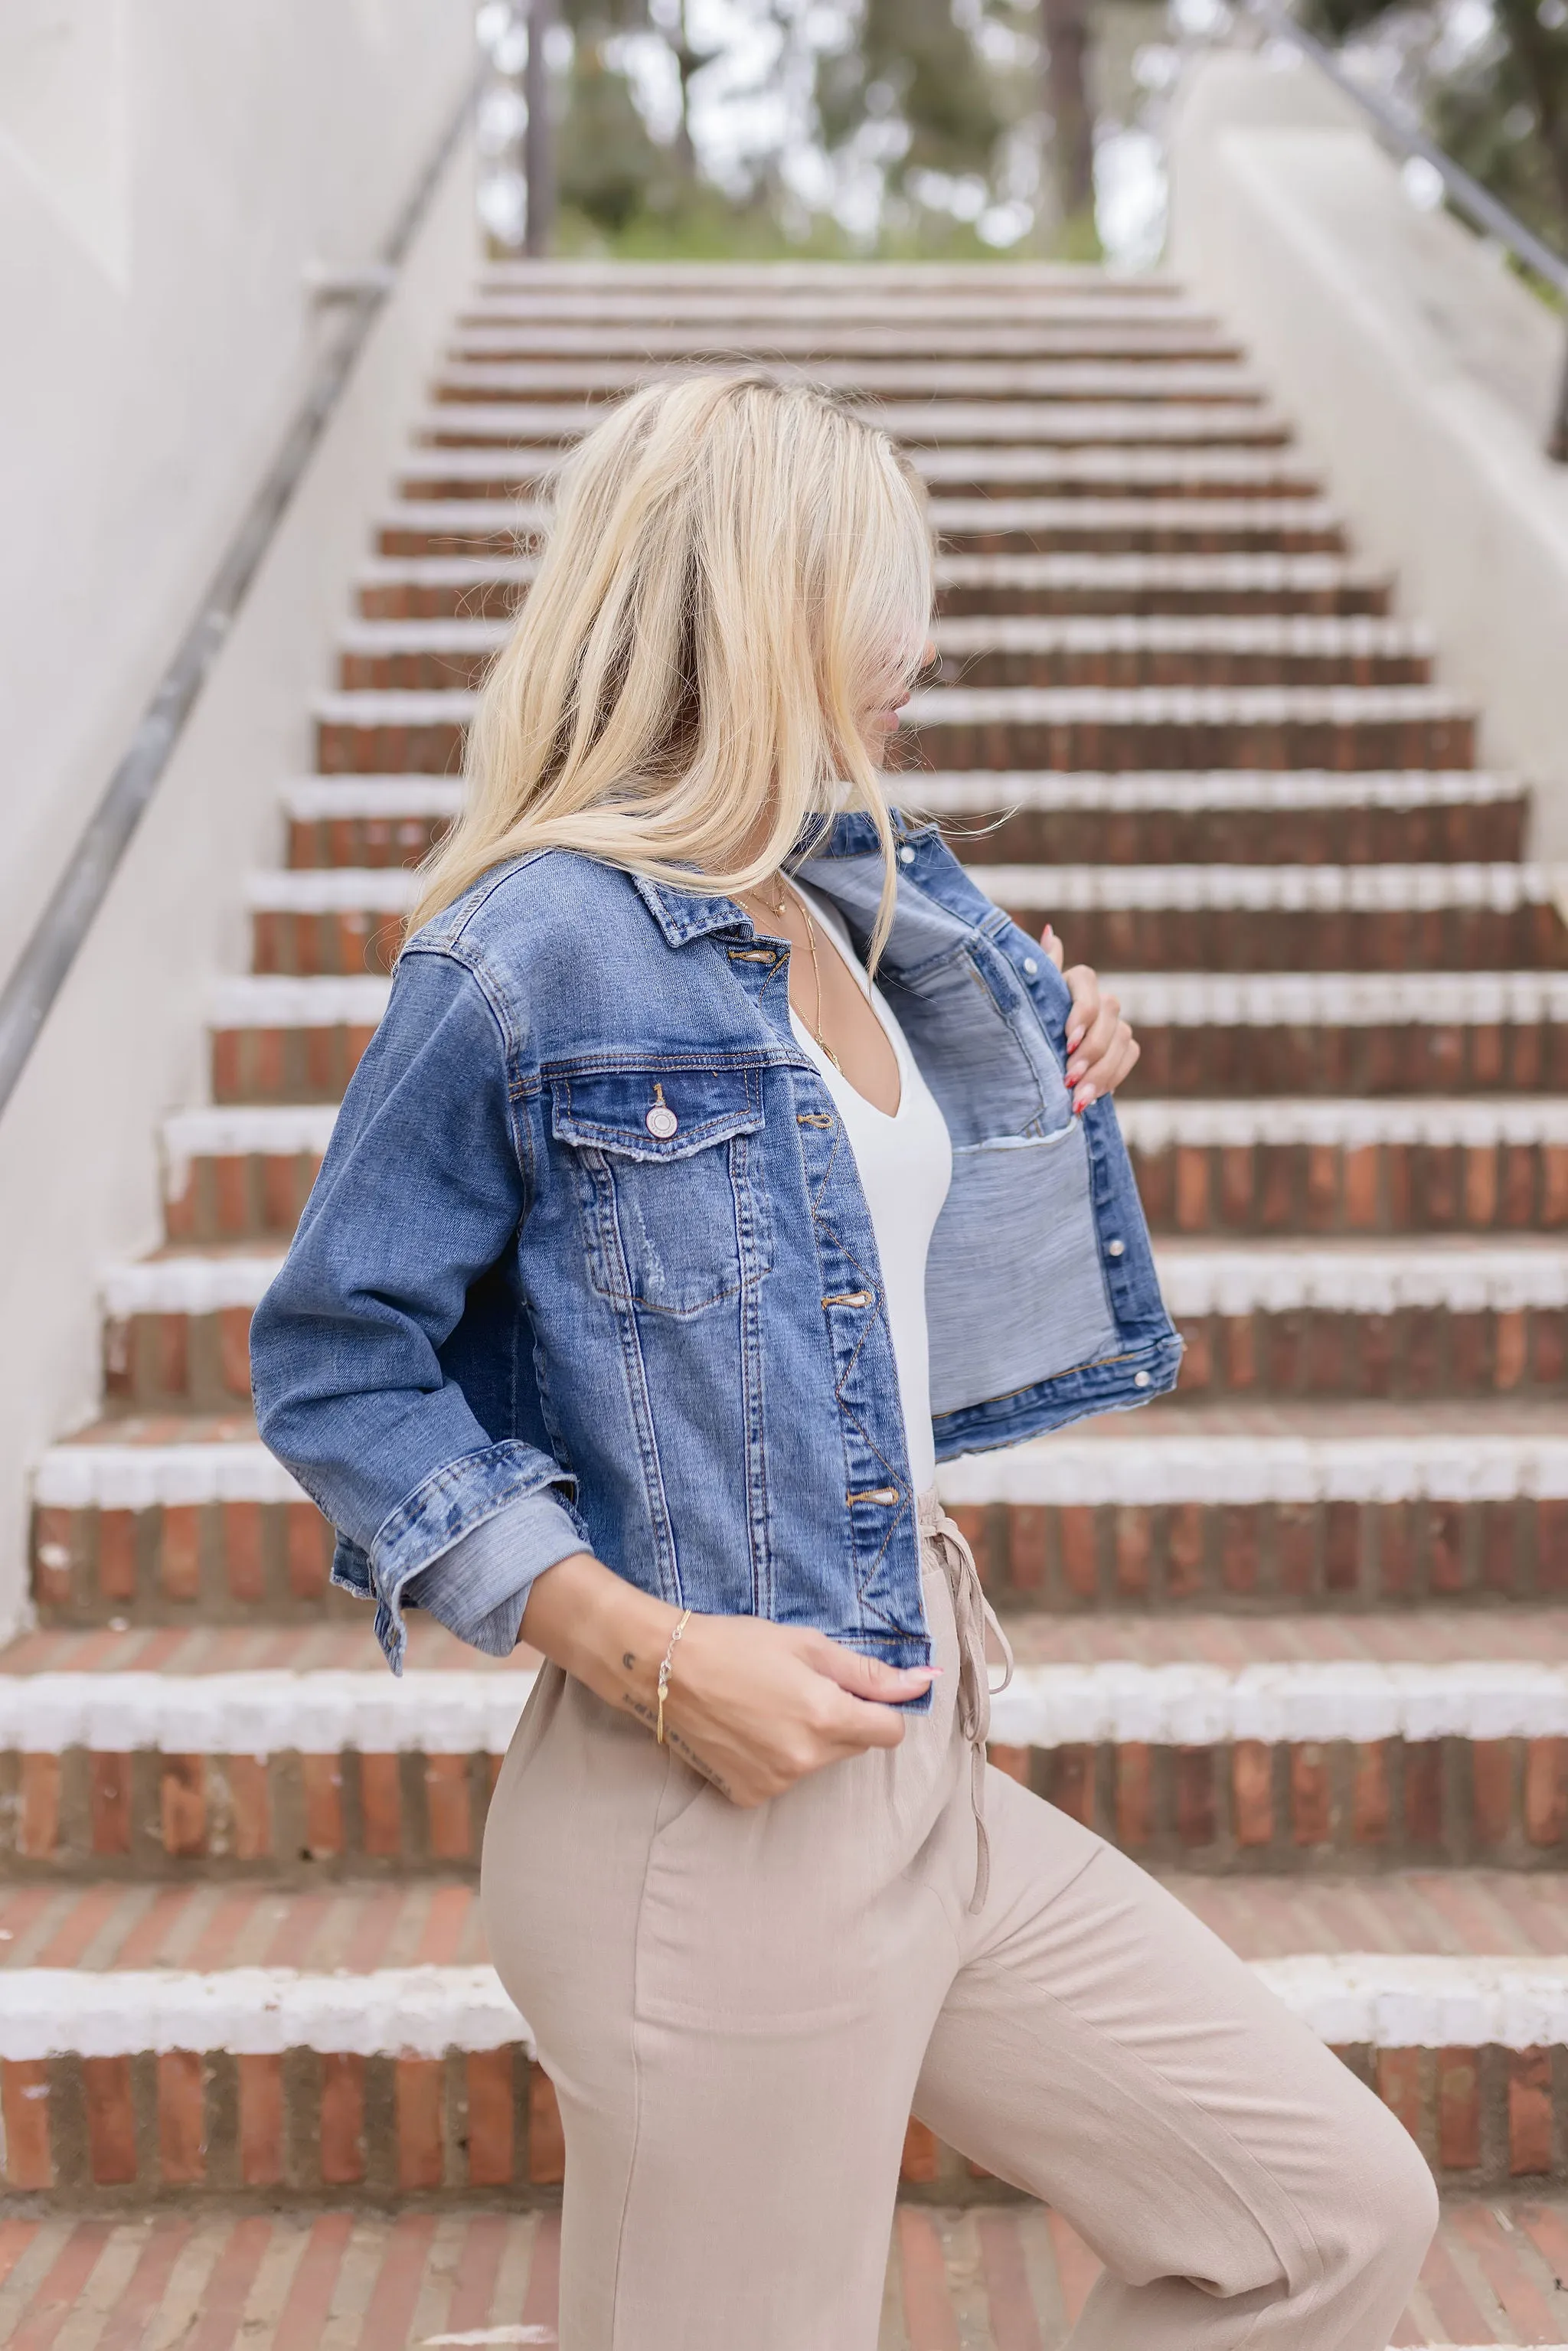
point(589, 1266)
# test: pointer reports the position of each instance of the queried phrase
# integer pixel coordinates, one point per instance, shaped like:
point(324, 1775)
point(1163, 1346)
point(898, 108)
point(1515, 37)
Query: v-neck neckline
point(867, 987)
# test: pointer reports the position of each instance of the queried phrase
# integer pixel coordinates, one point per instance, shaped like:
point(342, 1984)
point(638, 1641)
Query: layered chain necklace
point(779, 909)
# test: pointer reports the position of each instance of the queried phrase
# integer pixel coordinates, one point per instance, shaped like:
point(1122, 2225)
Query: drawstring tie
point(975, 1617)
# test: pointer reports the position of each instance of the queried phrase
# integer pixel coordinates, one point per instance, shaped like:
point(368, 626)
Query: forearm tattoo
point(673, 1739)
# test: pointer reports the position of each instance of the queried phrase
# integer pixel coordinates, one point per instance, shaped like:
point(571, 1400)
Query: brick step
point(1348, 1032)
point(1220, 1167)
point(239, 1173)
point(1111, 729)
point(760, 307)
point(1130, 338)
point(295, 1040)
point(207, 2045)
point(444, 587)
point(1099, 728)
point(1252, 584)
point(980, 650)
point(1082, 526)
point(327, 919)
point(1516, 1657)
point(1418, 815)
point(1225, 817)
point(445, 474)
point(1271, 1764)
point(180, 1520)
point(1012, 2277)
point(1293, 918)
point(367, 820)
point(1401, 1319)
point(1119, 382)
point(916, 424)
point(1199, 650)
point(668, 286)
point(1323, 1167)
point(1332, 1508)
point(1229, 1034)
point(175, 1520)
point(439, 587)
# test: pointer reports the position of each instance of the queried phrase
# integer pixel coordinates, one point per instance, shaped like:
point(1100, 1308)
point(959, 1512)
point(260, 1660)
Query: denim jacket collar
point(684, 914)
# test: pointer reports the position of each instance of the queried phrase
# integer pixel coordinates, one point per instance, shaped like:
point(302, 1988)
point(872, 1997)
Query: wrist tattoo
point(629, 1660)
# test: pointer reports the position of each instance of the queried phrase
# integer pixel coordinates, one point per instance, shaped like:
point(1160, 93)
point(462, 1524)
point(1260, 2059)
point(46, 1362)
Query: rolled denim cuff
point(480, 1587)
point(456, 1502)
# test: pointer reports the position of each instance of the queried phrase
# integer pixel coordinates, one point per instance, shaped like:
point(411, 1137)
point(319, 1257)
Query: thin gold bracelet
point(664, 1671)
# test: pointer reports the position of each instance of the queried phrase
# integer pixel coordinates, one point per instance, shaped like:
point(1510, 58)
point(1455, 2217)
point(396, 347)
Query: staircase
point(1293, 1638)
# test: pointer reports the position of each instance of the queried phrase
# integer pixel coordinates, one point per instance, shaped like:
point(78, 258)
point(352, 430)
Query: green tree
point(610, 167)
point(938, 87)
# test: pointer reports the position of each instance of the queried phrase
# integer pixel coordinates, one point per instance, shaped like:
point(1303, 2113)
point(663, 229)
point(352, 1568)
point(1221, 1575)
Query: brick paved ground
point(997, 2279)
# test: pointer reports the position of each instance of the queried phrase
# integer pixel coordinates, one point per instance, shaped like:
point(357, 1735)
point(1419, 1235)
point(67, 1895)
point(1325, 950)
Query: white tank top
point(905, 1165)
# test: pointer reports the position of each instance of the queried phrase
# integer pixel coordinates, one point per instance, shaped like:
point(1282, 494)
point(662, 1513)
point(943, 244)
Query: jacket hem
point(1131, 1379)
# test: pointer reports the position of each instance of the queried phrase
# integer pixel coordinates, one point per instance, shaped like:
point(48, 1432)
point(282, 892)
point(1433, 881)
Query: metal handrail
point(56, 939)
point(1467, 194)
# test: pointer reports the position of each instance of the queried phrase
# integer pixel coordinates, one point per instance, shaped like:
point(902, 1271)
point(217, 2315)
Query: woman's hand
point(1101, 1048)
point(752, 1705)
point(755, 1706)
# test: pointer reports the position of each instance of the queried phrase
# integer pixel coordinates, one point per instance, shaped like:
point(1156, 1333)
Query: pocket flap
point(692, 1109)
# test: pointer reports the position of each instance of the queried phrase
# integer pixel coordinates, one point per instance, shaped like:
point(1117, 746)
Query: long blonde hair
point(737, 572)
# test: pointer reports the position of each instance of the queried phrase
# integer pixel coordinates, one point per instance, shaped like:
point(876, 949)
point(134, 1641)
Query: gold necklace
point(779, 910)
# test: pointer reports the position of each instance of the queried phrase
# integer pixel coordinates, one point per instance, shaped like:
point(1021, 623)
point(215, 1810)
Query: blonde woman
point(726, 1159)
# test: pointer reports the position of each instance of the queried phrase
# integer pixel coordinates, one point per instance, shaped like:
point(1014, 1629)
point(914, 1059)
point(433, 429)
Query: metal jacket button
point(661, 1120)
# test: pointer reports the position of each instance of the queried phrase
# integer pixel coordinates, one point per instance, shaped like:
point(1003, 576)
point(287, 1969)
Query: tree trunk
point(1064, 29)
point(687, 62)
point(539, 147)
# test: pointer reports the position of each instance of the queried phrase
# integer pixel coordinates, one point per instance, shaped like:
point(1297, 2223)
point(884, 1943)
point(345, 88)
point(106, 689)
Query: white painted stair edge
point(1475, 1122)
point(1308, 999)
point(273, 1711)
point(1266, 633)
point(1196, 1277)
point(1349, 2000)
point(990, 791)
point(1499, 888)
point(1139, 1467)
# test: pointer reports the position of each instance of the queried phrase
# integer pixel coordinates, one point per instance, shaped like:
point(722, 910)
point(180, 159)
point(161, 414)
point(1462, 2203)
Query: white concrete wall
point(1421, 376)
point(156, 220)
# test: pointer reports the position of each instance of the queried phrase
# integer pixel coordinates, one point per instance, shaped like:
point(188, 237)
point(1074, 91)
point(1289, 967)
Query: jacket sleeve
point(422, 1189)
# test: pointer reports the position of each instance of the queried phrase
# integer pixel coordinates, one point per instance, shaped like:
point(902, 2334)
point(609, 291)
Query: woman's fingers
point(1084, 985)
point(1052, 946)
point(868, 1678)
point(1101, 1048)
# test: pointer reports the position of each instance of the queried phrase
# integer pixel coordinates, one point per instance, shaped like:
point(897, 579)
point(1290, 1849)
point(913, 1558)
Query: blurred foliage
point(913, 69)
point(1488, 80)
point(610, 169)
point(933, 114)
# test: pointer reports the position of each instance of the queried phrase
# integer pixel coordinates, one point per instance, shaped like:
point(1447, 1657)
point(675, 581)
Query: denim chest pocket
point(672, 1203)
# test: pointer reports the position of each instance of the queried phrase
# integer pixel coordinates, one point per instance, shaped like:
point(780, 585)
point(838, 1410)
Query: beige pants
point(740, 2010)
